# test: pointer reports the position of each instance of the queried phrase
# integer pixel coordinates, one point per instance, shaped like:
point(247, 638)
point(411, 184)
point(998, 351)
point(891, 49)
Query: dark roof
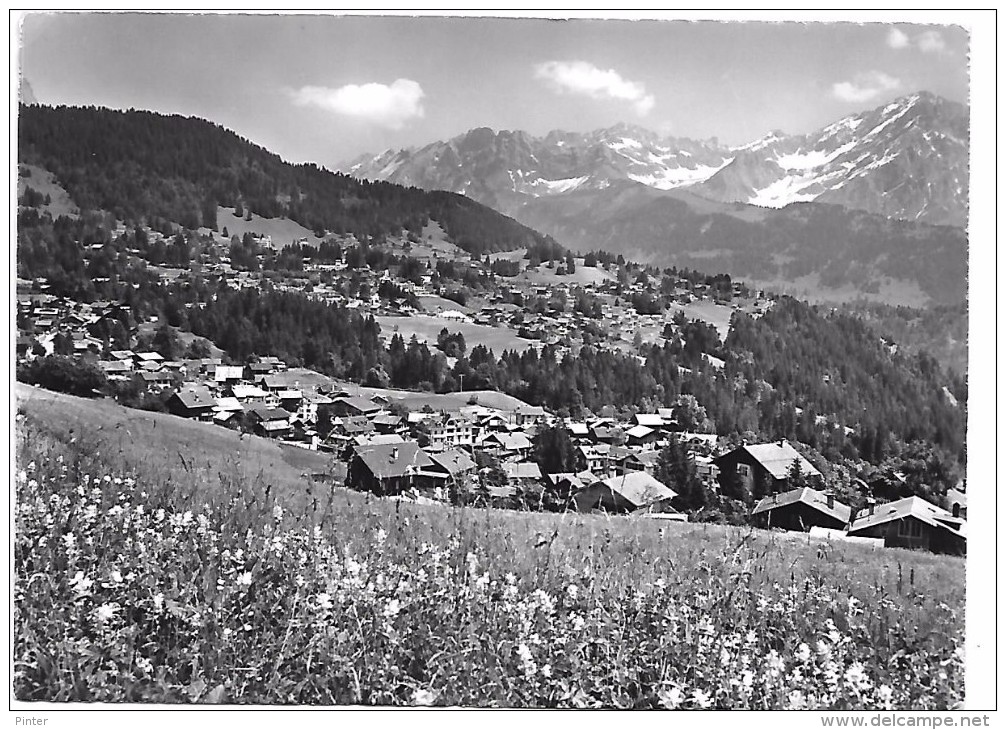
point(810, 497)
point(387, 461)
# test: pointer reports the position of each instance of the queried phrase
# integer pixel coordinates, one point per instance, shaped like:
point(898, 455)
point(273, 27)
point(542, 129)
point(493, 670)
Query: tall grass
point(133, 586)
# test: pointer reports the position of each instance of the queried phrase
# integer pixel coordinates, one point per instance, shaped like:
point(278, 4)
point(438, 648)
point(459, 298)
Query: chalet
point(388, 468)
point(650, 420)
point(192, 402)
point(578, 431)
point(390, 423)
point(630, 492)
point(289, 400)
point(641, 435)
point(602, 433)
point(354, 406)
point(271, 422)
point(115, 369)
point(156, 379)
point(525, 415)
point(248, 394)
point(454, 464)
point(642, 461)
point(769, 463)
point(508, 444)
point(227, 373)
point(912, 522)
point(801, 509)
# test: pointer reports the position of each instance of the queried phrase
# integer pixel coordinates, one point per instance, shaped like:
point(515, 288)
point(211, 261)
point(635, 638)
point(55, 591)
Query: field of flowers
point(128, 589)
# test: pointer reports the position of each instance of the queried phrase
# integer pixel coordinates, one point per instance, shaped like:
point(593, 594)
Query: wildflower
point(659, 584)
point(144, 665)
point(578, 623)
point(546, 671)
point(22, 475)
point(158, 601)
point(244, 579)
point(527, 661)
point(423, 698)
point(747, 680)
point(106, 612)
point(572, 590)
point(116, 576)
point(381, 536)
point(324, 601)
point(724, 657)
point(857, 678)
point(671, 698)
point(482, 583)
point(81, 584)
point(277, 513)
point(886, 695)
point(702, 700)
point(69, 540)
point(392, 609)
point(803, 652)
point(796, 700)
point(31, 466)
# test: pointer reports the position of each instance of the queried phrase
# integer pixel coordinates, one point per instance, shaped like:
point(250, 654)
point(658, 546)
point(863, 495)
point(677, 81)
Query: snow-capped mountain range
point(907, 159)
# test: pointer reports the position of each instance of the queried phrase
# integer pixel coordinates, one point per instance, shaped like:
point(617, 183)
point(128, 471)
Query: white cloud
point(388, 105)
point(931, 42)
point(864, 87)
point(898, 39)
point(581, 77)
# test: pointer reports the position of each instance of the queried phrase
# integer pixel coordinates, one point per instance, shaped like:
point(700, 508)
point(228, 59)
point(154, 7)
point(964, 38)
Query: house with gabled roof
point(768, 463)
point(912, 522)
point(388, 468)
point(630, 492)
point(192, 402)
point(801, 509)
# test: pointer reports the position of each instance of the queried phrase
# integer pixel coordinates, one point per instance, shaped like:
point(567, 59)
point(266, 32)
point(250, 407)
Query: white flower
point(116, 576)
point(381, 536)
point(392, 609)
point(671, 698)
point(572, 590)
point(546, 671)
point(106, 612)
point(158, 601)
point(423, 698)
point(702, 699)
point(578, 623)
point(796, 700)
point(856, 676)
point(324, 601)
point(81, 584)
point(803, 652)
point(244, 579)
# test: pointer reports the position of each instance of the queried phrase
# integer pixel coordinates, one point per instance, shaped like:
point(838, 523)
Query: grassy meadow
point(147, 576)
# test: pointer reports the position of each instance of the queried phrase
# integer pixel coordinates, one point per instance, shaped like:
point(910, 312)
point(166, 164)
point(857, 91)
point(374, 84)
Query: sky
point(326, 89)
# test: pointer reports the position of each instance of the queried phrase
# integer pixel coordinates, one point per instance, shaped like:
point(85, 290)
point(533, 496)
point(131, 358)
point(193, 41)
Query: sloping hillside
point(142, 166)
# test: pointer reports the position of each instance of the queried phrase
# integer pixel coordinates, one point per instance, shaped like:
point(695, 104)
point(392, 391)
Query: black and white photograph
point(470, 360)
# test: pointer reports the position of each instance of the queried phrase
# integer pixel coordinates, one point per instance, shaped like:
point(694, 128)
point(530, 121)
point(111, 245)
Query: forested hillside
point(142, 166)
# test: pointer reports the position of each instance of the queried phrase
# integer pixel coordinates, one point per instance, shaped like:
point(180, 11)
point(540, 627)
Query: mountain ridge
point(918, 137)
